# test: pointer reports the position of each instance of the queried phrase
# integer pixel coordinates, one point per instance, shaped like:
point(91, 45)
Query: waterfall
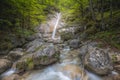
point(55, 27)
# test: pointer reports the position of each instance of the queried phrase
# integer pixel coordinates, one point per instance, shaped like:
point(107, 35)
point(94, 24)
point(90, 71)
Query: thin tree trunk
point(111, 11)
point(91, 9)
point(82, 11)
point(102, 16)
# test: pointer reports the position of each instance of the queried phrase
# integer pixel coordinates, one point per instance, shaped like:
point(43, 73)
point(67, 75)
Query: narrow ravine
point(67, 69)
point(70, 65)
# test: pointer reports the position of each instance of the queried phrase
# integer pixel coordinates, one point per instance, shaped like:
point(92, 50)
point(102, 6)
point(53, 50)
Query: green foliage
point(111, 37)
point(30, 64)
point(114, 58)
point(104, 26)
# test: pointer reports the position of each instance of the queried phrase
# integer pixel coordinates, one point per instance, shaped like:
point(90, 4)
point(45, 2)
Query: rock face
point(98, 61)
point(44, 55)
point(74, 43)
point(4, 65)
point(31, 46)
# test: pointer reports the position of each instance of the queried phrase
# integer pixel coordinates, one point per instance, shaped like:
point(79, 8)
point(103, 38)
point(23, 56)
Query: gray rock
point(4, 65)
point(98, 61)
point(74, 43)
point(31, 46)
point(44, 55)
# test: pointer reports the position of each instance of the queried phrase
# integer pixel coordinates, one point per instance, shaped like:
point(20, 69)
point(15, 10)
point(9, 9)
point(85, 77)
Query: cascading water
point(8, 73)
point(68, 69)
point(55, 27)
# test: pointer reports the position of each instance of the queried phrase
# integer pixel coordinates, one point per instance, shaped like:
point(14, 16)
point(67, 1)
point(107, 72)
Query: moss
point(30, 63)
point(21, 65)
point(44, 58)
point(114, 58)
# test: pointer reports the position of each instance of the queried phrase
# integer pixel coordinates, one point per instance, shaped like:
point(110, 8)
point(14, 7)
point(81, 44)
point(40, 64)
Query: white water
point(8, 73)
point(48, 74)
point(93, 76)
point(55, 27)
point(68, 69)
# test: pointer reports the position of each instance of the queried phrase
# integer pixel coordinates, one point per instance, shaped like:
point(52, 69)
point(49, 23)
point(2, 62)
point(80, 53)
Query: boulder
point(4, 65)
point(43, 56)
point(98, 61)
point(75, 43)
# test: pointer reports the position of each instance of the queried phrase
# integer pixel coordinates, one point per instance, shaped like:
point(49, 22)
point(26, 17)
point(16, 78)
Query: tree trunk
point(91, 9)
point(111, 11)
point(102, 16)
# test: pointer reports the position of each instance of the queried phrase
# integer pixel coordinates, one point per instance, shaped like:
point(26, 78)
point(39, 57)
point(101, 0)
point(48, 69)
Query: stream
point(69, 67)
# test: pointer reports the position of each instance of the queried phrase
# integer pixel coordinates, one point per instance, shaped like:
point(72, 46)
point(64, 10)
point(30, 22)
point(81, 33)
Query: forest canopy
point(100, 17)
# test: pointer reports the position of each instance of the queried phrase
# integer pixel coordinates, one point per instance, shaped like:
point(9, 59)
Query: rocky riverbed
point(43, 58)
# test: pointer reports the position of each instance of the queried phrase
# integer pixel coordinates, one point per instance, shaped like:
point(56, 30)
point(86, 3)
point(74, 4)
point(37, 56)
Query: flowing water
point(68, 69)
point(55, 27)
point(8, 73)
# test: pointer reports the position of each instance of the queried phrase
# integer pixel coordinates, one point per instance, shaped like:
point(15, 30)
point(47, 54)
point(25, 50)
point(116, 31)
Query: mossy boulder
point(43, 56)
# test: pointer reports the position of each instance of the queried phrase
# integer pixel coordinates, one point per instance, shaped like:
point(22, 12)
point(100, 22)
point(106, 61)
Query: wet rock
point(15, 54)
point(12, 77)
point(4, 65)
point(74, 43)
point(43, 56)
point(98, 61)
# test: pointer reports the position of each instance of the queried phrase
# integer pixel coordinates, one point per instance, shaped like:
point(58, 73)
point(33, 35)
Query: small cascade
point(49, 74)
point(55, 27)
point(8, 73)
point(68, 69)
